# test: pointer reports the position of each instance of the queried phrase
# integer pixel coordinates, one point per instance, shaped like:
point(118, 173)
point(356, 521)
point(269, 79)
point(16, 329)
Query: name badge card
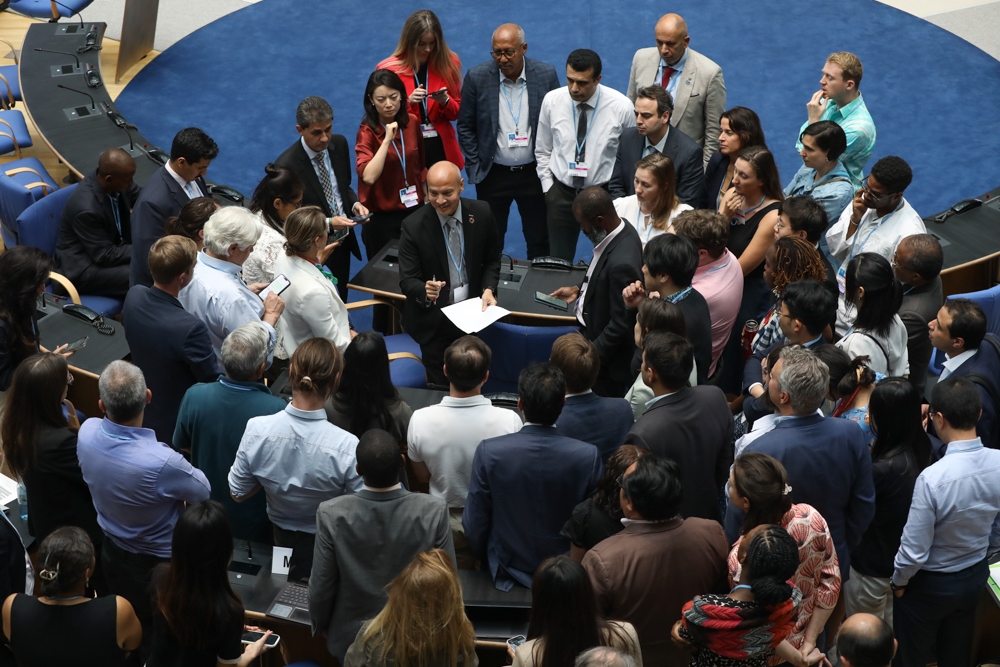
point(428, 130)
point(280, 560)
point(517, 140)
point(409, 196)
point(578, 169)
point(842, 280)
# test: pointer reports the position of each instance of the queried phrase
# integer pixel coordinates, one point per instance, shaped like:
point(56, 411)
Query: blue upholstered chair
point(13, 132)
point(988, 301)
point(10, 84)
point(22, 183)
point(514, 348)
point(405, 367)
point(47, 9)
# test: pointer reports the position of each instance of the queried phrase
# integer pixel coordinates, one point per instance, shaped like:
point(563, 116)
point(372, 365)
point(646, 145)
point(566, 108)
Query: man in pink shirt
point(719, 277)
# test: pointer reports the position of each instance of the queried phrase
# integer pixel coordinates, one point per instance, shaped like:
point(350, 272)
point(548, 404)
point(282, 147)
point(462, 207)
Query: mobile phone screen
point(542, 297)
point(77, 344)
point(278, 285)
point(339, 234)
point(250, 637)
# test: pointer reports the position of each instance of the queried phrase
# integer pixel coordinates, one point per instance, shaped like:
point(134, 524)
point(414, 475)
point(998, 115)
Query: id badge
point(409, 196)
point(428, 130)
point(842, 280)
point(578, 169)
point(517, 140)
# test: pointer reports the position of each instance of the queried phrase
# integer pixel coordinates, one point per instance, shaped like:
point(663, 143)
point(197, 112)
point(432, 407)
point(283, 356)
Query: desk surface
point(56, 328)
point(970, 236)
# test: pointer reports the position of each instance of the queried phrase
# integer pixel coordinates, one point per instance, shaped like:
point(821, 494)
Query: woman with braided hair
point(749, 625)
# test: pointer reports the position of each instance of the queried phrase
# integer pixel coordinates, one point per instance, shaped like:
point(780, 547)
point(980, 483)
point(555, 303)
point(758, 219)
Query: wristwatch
point(893, 587)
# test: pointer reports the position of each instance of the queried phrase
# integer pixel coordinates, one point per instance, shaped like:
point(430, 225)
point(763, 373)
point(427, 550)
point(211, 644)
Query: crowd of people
point(734, 460)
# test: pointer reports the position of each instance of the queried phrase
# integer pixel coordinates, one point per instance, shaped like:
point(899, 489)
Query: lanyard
point(114, 210)
point(423, 102)
point(679, 296)
point(580, 146)
point(718, 267)
point(458, 267)
point(401, 156)
point(322, 269)
point(116, 437)
point(736, 588)
point(978, 445)
point(874, 229)
point(741, 213)
point(520, 99)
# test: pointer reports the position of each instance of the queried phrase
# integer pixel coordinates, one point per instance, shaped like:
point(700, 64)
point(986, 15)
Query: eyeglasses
point(382, 100)
point(875, 198)
point(896, 264)
point(506, 53)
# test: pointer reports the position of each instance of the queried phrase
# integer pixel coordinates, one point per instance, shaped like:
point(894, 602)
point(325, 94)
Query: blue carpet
point(932, 95)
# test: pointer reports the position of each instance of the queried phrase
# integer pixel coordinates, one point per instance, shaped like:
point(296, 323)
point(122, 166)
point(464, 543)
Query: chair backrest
point(988, 301)
point(514, 348)
point(14, 198)
point(38, 225)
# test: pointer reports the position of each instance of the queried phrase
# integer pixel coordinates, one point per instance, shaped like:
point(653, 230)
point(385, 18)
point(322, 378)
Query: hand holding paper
point(470, 316)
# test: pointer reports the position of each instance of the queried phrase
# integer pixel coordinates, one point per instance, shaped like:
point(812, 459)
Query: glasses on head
point(506, 53)
point(391, 98)
point(872, 195)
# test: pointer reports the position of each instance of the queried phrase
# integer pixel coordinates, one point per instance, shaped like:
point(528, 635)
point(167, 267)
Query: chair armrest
point(74, 295)
point(404, 355)
point(17, 149)
point(367, 303)
point(17, 61)
point(7, 103)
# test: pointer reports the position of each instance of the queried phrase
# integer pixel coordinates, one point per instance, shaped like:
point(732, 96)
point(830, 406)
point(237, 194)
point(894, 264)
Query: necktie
point(191, 190)
point(667, 72)
point(118, 220)
point(324, 179)
point(651, 149)
point(581, 135)
point(455, 268)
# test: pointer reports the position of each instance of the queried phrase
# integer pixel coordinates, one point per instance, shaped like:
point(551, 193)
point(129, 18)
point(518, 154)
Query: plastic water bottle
point(22, 499)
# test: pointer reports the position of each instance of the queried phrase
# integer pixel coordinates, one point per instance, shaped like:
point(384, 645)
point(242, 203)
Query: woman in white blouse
point(313, 308)
point(653, 207)
point(878, 333)
point(277, 195)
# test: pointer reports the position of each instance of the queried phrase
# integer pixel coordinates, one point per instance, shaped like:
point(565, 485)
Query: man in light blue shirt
point(954, 523)
point(217, 295)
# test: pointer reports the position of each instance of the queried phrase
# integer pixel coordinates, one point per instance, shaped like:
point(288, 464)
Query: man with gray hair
point(604, 656)
point(217, 295)
point(214, 415)
point(827, 460)
point(138, 485)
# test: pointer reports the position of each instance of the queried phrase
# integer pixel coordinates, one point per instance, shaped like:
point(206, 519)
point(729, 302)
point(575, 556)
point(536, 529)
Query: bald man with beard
point(95, 233)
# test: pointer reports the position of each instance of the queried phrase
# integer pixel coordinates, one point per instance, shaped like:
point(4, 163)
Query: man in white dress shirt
point(578, 130)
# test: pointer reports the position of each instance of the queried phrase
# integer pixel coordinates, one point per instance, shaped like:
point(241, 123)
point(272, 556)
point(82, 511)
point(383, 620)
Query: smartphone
point(278, 285)
point(77, 344)
point(360, 218)
point(438, 92)
point(250, 637)
point(338, 235)
point(514, 642)
point(558, 304)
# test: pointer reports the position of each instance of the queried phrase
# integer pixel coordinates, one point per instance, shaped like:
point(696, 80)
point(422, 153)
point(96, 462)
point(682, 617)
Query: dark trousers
point(935, 617)
point(109, 281)
point(301, 544)
point(505, 185)
point(130, 575)
point(432, 353)
point(563, 228)
point(381, 228)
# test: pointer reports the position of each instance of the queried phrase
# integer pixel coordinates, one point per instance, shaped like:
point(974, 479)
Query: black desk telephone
point(89, 316)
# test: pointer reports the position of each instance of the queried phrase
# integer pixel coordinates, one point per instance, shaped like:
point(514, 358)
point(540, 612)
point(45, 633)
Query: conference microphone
point(91, 43)
point(120, 121)
point(93, 105)
point(93, 78)
point(65, 53)
point(71, 11)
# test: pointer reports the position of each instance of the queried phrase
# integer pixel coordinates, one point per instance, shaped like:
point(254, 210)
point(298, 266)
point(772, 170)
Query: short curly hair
point(893, 173)
point(796, 259)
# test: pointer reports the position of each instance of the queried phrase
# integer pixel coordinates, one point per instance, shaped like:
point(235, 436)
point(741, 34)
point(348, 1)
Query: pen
point(434, 278)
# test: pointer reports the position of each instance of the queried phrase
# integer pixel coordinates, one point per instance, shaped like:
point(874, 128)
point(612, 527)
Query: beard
point(596, 235)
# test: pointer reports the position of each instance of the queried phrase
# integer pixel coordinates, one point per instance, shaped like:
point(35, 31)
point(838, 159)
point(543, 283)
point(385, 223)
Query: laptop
point(291, 604)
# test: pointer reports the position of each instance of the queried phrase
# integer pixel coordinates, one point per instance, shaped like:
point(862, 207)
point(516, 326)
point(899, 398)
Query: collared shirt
point(782, 337)
point(955, 513)
point(338, 204)
point(658, 146)
point(184, 184)
point(675, 77)
point(582, 393)
point(721, 283)
point(300, 459)
point(516, 99)
point(859, 127)
point(598, 251)
point(138, 484)
point(555, 143)
point(394, 487)
point(218, 297)
point(951, 364)
point(653, 401)
point(458, 275)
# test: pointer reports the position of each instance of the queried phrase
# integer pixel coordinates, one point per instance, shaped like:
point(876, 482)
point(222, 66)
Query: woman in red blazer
point(432, 76)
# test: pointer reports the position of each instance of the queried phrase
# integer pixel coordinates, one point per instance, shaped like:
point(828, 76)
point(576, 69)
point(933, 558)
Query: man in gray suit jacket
point(497, 123)
point(364, 540)
point(694, 82)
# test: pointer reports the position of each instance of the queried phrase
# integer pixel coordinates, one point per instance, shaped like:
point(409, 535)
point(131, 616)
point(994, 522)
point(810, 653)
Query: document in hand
point(470, 317)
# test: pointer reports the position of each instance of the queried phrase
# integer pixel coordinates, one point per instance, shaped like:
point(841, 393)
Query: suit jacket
point(698, 321)
point(694, 427)
point(88, 237)
point(172, 348)
point(646, 573)
point(363, 541)
point(479, 113)
point(423, 255)
point(829, 467)
point(161, 198)
point(523, 489)
point(607, 321)
point(312, 306)
point(699, 100)
point(715, 174)
point(920, 306)
point(601, 421)
point(296, 160)
point(986, 362)
point(685, 153)
point(13, 562)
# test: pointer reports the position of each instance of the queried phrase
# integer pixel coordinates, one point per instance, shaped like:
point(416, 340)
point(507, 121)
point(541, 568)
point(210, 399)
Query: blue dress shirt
point(138, 484)
point(955, 513)
point(301, 460)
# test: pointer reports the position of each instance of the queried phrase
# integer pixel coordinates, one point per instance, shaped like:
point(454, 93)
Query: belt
point(516, 167)
point(570, 188)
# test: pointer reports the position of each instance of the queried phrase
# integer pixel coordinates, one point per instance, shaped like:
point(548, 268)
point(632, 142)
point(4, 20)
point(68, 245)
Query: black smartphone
point(251, 636)
point(360, 218)
point(558, 304)
point(339, 235)
point(77, 344)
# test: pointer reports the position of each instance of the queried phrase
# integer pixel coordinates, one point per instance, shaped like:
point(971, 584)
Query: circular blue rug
point(932, 95)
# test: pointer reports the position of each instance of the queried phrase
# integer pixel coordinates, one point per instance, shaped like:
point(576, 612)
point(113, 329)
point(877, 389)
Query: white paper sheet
point(469, 316)
point(8, 490)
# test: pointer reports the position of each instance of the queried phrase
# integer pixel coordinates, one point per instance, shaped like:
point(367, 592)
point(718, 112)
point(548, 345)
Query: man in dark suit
point(448, 252)
point(525, 485)
point(497, 122)
point(600, 308)
point(95, 232)
point(691, 425)
point(169, 188)
point(652, 134)
point(322, 161)
point(806, 218)
point(960, 332)
point(602, 421)
point(169, 345)
point(827, 460)
point(917, 265)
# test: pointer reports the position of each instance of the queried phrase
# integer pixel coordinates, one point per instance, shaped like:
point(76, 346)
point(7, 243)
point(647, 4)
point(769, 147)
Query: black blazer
point(694, 427)
point(87, 232)
point(607, 321)
point(685, 152)
point(424, 256)
point(161, 198)
point(715, 173)
point(295, 159)
point(920, 306)
point(172, 348)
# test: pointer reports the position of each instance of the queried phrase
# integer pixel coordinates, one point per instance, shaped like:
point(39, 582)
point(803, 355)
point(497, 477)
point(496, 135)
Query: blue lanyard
point(874, 229)
point(458, 267)
point(116, 437)
point(736, 588)
point(520, 98)
point(423, 102)
point(718, 267)
point(742, 212)
point(114, 210)
point(402, 140)
point(679, 296)
point(580, 146)
point(236, 386)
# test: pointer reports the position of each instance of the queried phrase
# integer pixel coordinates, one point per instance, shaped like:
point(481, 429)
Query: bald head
point(443, 172)
point(508, 41)
point(115, 171)
point(444, 187)
point(594, 209)
point(509, 31)
point(865, 640)
point(671, 38)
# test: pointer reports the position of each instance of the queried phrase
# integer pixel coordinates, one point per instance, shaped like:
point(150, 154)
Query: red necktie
point(667, 71)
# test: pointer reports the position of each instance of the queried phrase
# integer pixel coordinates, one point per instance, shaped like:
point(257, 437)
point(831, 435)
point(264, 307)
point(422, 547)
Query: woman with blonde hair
point(423, 624)
point(653, 207)
point(432, 75)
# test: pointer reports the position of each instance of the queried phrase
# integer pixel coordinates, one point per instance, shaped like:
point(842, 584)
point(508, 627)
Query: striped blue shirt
point(860, 130)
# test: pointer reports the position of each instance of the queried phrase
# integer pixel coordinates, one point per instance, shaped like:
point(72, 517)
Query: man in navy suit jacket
point(497, 123)
point(652, 134)
point(169, 188)
point(602, 421)
point(525, 485)
point(169, 345)
point(827, 459)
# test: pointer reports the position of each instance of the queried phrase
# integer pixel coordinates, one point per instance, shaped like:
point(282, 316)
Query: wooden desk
point(971, 245)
